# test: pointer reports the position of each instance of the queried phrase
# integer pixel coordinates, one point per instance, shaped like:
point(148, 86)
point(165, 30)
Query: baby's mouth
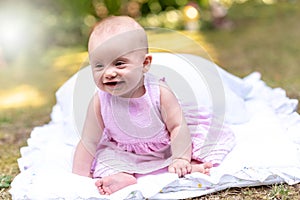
point(113, 83)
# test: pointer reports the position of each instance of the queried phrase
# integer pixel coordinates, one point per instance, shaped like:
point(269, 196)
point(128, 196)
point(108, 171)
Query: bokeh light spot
point(21, 96)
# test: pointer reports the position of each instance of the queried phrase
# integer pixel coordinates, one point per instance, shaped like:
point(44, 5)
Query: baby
point(134, 123)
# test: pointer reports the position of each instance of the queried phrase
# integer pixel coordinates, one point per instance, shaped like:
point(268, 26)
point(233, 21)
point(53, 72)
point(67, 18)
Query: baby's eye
point(119, 63)
point(99, 66)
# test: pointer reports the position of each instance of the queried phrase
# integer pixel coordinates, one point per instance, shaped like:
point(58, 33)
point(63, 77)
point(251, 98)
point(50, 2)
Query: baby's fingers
point(180, 167)
point(171, 169)
point(176, 170)
point(189, 169)
point(183, 171)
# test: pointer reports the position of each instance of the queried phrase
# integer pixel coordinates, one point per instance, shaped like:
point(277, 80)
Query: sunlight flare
point(21, 96)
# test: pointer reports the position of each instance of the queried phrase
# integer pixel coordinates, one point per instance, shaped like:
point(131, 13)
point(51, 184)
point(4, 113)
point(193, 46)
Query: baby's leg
point(201, 167)
point(110, 184)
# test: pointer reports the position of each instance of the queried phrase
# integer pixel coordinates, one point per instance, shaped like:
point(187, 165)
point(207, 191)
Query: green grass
point(265, 38)
point(15, 128)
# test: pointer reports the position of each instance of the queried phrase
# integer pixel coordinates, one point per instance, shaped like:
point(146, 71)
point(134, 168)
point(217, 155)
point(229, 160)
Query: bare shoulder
point(96, 100)
point(94, 103)
point(166, 93)
point(93, 125)
point(94, 109)
point(169, 107)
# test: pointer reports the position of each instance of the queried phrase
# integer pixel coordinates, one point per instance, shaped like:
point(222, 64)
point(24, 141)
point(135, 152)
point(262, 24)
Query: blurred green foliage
point(67, 23)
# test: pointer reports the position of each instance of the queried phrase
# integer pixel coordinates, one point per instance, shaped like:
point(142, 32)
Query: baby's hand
point(180, 167)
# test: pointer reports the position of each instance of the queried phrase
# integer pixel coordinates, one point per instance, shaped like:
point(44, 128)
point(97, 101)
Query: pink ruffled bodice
point(135, 124)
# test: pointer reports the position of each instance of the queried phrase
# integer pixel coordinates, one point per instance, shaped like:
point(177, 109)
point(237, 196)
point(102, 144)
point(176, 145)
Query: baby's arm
point(180, 136)
point(91, 134)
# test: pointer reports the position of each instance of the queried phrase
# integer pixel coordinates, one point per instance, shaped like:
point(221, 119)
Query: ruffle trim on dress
point(142, 147)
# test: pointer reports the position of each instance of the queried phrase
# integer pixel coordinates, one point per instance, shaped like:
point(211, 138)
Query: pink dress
point(135, 139)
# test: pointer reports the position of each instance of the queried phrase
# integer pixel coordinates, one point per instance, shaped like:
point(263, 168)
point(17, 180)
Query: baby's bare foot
point(110, 184)
point(201, 167)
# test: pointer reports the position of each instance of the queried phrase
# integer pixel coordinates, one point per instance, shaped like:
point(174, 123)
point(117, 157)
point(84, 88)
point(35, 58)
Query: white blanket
point(264, 120)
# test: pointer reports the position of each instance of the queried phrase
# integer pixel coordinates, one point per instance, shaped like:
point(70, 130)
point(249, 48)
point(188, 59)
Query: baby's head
point(118, 31)
point(118, 53)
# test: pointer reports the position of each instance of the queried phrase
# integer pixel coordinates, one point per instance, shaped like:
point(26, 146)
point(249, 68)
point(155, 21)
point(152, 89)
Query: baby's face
point(118, 63)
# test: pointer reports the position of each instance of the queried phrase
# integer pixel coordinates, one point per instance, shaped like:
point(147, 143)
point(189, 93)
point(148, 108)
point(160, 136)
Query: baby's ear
point(147, 62)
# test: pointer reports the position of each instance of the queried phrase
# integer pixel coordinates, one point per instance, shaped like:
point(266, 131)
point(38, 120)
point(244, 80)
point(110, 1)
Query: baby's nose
point(110, 74)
